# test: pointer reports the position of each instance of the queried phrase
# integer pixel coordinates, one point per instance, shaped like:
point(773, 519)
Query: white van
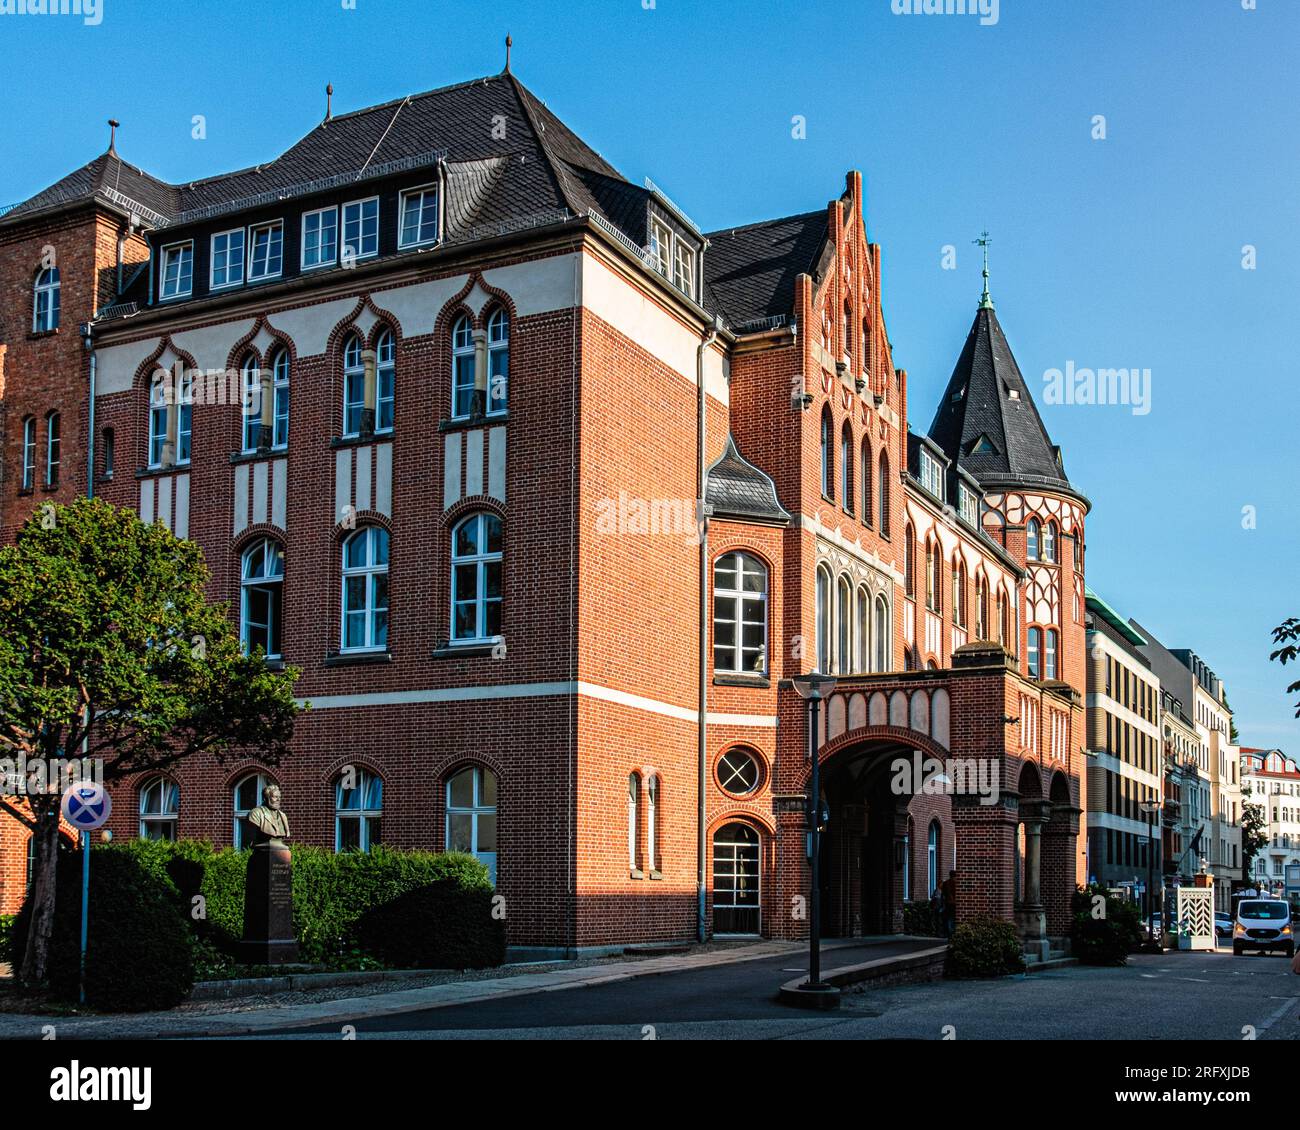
point(1263, 924)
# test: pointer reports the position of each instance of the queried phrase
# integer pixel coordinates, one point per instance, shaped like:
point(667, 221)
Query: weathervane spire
point(986, 302)
point(509, 43)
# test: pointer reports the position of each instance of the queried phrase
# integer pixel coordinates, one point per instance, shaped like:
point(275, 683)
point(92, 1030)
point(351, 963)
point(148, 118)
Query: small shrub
point(984, 946)
point(440, 926)
point(1103, 936)
point(6, 940)
point(921, 919)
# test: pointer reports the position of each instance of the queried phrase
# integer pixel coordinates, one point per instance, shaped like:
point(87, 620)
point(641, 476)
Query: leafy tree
point(1288, 633)
point(110, 651)
point(1233, 736)
point(1253, 837)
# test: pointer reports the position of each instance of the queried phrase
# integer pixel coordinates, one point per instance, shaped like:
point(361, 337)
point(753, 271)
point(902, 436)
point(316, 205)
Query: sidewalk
point(243, 1017)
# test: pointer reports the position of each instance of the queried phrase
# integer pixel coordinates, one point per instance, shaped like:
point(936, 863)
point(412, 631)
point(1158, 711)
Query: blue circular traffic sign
point(86, 805)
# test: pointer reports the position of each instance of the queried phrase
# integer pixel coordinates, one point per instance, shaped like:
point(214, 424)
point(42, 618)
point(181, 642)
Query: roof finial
point(986, 303)
point(509, 43)
point(329, 101)
point(112, 135)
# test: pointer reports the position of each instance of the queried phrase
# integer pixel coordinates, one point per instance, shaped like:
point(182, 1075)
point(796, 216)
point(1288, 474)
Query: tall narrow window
point(358, 811)
point(933, 577)
point(251, 374)
point(1049, 656)
point(846, 468)
point(823, 621)
point(266, 251)
point(476, 554)
point(52, 444)
point(867, 500)
point(157, 419)
point(862, 632)
point(932, 856)
point(884, 640)
point(159, 809)
point(633, 820)
point(884, 493)
point(29, 453)
point(354, 387)
point(1033, 658)
point(462, 369)
point(472, 816)
point(1031, 539)
point(365, 590)
point(652, 822)
point(385, 383)
point(828, 457)
point(498, 362)
point(1049, 542)
point(184, 418)
point(844, 619)
point(280, 400)
point(107, 446)
point(176, 277)
point(909, 561)
point(959, 592)
point(261, 597)
point(45, 301)
point(739, 614)
point(981, 608)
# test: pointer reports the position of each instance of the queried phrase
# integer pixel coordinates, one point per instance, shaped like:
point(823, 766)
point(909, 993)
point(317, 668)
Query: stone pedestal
point(268, 907)
point(1031, 925)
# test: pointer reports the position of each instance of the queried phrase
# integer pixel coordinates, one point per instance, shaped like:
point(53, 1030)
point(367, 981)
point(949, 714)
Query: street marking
point(1276, 1014)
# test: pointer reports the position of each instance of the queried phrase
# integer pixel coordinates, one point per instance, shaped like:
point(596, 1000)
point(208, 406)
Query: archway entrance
point(735, 880)
point(864, 844)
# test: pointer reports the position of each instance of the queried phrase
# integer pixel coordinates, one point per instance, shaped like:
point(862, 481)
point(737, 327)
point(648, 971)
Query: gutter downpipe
point(702, 518)
point(89, 342)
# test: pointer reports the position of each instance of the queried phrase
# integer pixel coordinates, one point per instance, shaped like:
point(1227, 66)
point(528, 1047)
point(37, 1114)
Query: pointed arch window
point(828, 456)
point(1032, 535)
point(933, 577)
point(46, 301)
point(1033, 659)
point(862, 631)
point(867, 501)
point(846, 468)
point(959, 608)
point(498, 382)
point(981, 607)
point(884, 493)
point(251, 379)
point(354, 387)
point(844, 623)
point(476, 592)
point(462, 368)
point(823, 620)
point(932, 856)
point(1049, 541)
point(633, 822)
point(884, 639)
point(385, 382)
point(909, 561)
point(1049, 655)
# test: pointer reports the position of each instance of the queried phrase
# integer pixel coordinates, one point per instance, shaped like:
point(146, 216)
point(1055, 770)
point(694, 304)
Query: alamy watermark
point(921, 775)
point(634, 516)
point(43, 776)
point(1098, 386)
point(987, 10)
point(90, 11)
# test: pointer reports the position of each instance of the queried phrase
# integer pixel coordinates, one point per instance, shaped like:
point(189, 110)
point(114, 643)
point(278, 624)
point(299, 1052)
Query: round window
point(738, 772)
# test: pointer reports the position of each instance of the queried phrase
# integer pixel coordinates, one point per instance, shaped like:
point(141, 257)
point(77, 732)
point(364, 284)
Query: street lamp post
point(1151, 806)
point(814, 687)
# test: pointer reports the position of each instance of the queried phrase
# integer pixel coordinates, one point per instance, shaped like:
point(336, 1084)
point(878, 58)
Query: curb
point(298, 983)
point(879, 969)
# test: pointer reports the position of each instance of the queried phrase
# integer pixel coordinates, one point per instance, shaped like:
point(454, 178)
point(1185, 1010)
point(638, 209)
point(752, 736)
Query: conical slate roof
point(987, 422)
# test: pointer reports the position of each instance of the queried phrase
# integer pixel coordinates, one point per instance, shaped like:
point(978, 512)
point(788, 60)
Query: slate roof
point(509, 158)
point(987, 422)
point(735, 488)
point(749, 272)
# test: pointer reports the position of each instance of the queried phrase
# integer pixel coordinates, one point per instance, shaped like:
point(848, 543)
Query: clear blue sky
point(1117, 253)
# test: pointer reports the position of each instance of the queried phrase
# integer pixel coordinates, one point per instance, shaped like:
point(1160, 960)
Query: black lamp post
point(814, 686)
point(1151, 806)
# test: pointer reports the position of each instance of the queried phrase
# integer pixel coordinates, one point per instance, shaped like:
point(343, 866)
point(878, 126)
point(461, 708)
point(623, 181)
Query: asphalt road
point(1193, 996)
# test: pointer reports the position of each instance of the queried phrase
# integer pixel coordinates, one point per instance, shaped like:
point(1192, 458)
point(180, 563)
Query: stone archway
point(1059, 858)
point(1035, 811)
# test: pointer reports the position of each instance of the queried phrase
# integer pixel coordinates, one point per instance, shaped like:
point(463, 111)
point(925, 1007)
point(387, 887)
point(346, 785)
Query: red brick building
point(438, 391)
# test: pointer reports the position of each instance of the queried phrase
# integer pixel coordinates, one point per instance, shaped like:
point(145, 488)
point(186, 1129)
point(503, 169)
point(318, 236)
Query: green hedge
point(984, 946)
point(6, 939)
point(1104, 929)
point(921, 919)
point(441, 925)
point(139, 955)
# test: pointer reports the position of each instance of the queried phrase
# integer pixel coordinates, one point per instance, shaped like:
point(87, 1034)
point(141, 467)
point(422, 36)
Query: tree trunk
point(45, 849)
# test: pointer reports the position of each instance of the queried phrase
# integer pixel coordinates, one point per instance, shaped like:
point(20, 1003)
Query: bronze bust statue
point(269, 820)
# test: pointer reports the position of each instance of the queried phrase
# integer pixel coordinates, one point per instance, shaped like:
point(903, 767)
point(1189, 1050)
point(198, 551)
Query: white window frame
point(158, 413)
point(651, 821)
point(302, 248)
point(498, 352)
point(421, 191)
point(633, 817)
point(272, 558)
point(232, 261)
point(185, 421)
point(354, 370)
point(661, 246)
point(684, 266)
point(385, 373)
point(371, 570)
point(164, 261)
point(46, 301)
point(280, 374)
point(271, 226)
point(29, 453)
point(481, 560)
point(53, 441)
point(167, 814)
point(369, 790)
point(738, 600)
point(462, 362)
point(250, 373)
point(476, 810)
point(241, 814)
point(360, 206)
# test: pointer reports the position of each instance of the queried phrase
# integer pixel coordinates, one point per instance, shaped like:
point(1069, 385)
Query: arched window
point(52, 444)
point(354, 387)
point(1002, 621)
point(1031, 539)
point(932, 856)
point(862, 631)
point(823, 620)
point(262, 597)
point(883, 508)
point(251, 377)
point(846, 468)
point(828, 458)
point(358, 811)
point(633, 822)
point(159, 808)
point(498, 362)
point(157, 419)
point(844, 617)
point(933, 576)
point(652, 822)
point(280, 400)
point(848, 330)
point(959, 591)
point(385, 383)
point(739, 613)
point(1049, 655)
point(865, 463)
point(247, 796)
point(907, 862)
point(884, 640)
point(1049, 541)
point(476, 556)
point(909, 562)
point(736, 880)
point(462, 368)
point(184, 418)
point(45, 301)
point(472, 816)
point(365, 590)
point(981, 607)
point(29, 453)
point(1033, 658)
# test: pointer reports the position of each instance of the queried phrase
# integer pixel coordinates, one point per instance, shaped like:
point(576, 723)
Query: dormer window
point(419, 217)
point(967, 504)
point(227, 258)
point(672, 256)
point(266, 251)
point(931, 474)
point(320, 238)
point(176, 279)
point(684, 268)
point(661, 246)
